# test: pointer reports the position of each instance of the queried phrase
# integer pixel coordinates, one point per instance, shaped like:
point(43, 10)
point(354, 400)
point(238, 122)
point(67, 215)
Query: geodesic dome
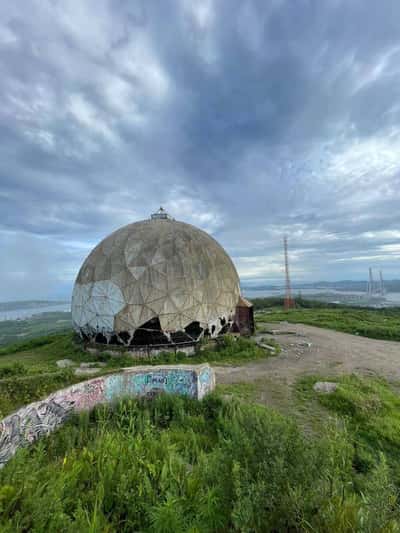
point(157, 281)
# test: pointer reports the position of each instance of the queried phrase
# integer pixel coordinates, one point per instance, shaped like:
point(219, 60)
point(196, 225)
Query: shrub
point(174, 464)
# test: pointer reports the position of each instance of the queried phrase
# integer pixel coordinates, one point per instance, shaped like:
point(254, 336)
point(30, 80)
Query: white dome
point(155, 275)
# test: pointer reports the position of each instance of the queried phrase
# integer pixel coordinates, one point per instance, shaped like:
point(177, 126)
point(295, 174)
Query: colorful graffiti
point(148, 383)
point(206, 382)
point(40, 418)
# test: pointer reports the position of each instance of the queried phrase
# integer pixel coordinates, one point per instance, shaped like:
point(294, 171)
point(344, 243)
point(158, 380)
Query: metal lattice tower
point(288, 302)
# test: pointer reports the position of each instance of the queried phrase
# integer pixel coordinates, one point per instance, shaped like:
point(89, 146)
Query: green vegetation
point(176, 465)
point(374, 323)
point(371, 408)
point(35, 326)
point(329, 462)
point(301, 303)
point(28, 370)
point(20, 390)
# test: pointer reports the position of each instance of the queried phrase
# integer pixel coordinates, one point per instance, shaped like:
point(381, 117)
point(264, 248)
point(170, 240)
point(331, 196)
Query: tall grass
point(21, 383)
point(177, 465)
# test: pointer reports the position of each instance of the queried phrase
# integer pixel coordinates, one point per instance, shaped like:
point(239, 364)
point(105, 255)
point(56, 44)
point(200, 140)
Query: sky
point(249, 119)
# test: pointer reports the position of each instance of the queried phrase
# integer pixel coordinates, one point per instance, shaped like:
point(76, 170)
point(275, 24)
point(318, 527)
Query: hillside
point(265, 452)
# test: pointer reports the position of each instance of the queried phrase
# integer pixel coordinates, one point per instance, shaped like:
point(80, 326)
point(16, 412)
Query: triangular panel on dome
point(178, 297)
point(137, 271)
point(117, 267)
point(99, 289)
point(154, 294)
point(157, 280)
point(157, 306)
point(132, 315)
point(120, 325)
point(100, 305)
point(191, 314)
point(133, 294)
point(133, 247)
point(108, 245)
point(157, 258)
point(170, 307)
point(145, 315)
point(161, 268)
point(169, 322)
point(102, 269)
point(124, 279)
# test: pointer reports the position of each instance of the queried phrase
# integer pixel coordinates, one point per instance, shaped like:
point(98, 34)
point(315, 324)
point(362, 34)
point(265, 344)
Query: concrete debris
point(325, 386)
point(86, 371)
point(90, 365)
point(281, 332)
point(267, 347)
point(64, 363)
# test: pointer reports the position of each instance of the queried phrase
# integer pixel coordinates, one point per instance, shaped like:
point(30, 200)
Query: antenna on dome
point(161, 214)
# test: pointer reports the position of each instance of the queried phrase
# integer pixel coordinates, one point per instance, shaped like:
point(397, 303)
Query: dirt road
point(311, 350)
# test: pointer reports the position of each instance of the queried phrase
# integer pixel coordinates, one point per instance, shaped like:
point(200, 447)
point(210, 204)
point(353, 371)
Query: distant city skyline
point(250, 120)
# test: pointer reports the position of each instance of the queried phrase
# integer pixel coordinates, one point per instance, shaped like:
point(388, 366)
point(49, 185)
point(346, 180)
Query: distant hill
point(29, 304)
point(344, 285)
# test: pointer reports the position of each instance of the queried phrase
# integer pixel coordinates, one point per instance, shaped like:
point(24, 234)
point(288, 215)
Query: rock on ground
point(64, 363)
point(86, 371)
point(325, 386)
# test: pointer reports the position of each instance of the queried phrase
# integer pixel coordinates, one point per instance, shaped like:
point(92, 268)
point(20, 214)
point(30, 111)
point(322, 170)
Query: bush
point(174, 464)
point(19, 389)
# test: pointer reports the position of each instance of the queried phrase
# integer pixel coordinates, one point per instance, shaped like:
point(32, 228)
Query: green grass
point(28, 370)
point(374, 323)
point(39, 325)
point(371, 409)
point(177, 465)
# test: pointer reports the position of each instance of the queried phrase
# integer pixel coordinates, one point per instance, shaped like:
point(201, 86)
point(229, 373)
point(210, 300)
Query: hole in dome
point(222, 321)
point(180, 336)
point(149, 333)
point(212, 329)
point(100, 338)
point(115, 340)
point(124, 336)
point(194, 330)
point(224, 329)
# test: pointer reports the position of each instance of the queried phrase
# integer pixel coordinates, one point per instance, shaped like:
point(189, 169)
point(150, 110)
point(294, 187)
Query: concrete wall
point(40, 418)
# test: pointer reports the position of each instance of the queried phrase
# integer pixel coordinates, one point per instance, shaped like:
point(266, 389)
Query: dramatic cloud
point(247, 118)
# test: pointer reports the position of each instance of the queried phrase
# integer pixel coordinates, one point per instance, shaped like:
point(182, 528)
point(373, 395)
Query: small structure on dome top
point(158, 282)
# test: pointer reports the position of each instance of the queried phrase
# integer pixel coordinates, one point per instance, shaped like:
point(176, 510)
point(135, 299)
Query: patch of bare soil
point(312, 350)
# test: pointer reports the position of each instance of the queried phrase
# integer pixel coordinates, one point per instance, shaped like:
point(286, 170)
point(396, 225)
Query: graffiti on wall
point(206, 382)
point(40, 418)
point(171, 381)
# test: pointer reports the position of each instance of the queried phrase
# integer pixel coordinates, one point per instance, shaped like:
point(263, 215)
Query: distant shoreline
point(23, 305)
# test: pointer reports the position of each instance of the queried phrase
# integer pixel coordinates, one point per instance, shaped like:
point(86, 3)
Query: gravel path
point(312, 350)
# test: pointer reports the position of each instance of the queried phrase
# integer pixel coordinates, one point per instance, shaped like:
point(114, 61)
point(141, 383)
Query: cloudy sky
point(247, 118)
